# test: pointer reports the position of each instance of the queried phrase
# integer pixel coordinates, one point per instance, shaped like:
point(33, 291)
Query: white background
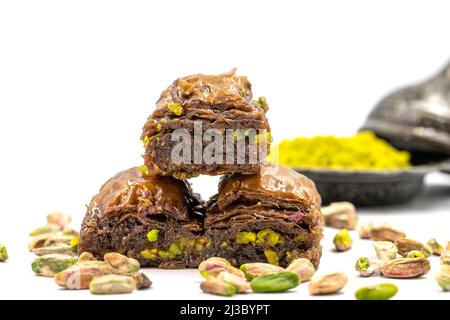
point(79, 78)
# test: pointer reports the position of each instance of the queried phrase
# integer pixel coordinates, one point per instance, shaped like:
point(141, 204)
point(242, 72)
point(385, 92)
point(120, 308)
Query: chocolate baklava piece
point(156, 220)
point(272, 216)
point(207, 124)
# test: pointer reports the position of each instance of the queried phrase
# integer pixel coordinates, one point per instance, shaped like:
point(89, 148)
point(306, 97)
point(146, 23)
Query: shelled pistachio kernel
point(275, 282)
point(328, 284)
point(343, 241)
point(152, 235)
point(271, 257)
point(405, 268)
point(406, 245)
point(415, 254)
point(383, 291)
point(385, 250)
point(253, 270)
point(112, 284)
point(175, 108)
point(268, 236)
point(241, 284)
point(56, 249)
point(49, 228)
point(368, 267)
point(212, 267)
point(51, 264)
point(443, 277)
point(303, 268)
point(122, 265)
point(150, 254)
point(86, 256)
point(218, 287)
point(245, 237)
point(3, 253)
point(436, 247)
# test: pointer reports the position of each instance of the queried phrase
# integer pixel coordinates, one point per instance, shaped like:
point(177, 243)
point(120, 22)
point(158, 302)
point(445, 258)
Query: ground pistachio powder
point(361, 151)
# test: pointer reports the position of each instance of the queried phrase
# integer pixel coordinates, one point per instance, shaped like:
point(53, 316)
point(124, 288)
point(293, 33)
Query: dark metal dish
point(369, 187)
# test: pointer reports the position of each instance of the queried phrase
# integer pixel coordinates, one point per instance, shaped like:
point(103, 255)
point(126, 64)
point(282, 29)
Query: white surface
point(425, 218)
point(78, 79)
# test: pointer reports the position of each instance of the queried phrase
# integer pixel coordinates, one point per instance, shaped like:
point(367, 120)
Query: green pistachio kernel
point(74, 244)
point(165, 254)
point(263, 103)
point(3, 253)
point(152, 235)
point(175, 249)
point(271, 257)
point(383, 291)
point(144, 170)
point(175, 108)
point(245, 237)
point(277, 282)
point(415, 254)
point(362, 264)
point(149, 254)
point(158, 127)
point(343, 241)
point(300, 237)
point(268, 236)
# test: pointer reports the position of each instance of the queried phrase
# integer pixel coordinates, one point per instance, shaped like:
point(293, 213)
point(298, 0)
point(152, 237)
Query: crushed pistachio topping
point(271, 257)
point(268, 236)
point(158, 127)
point(175, 108)
point(361, 151)
point(245, 237)
point(152, 235)
point(263, 103)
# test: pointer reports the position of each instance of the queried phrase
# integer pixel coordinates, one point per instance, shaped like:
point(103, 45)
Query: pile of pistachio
point(225, 280)
point(56, 246)
point(396, 255)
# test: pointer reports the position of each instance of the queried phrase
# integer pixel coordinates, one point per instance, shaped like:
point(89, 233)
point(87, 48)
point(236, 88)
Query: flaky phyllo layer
point(272, 216)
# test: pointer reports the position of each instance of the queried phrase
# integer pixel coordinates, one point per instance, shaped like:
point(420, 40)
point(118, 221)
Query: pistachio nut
point(218, 287)
point(415, 254)
point(328, 284)
point(86, 256)
point(365, 229)
point(443, 277)
point(112, 284)
point(79, 276)
point(405, 268)
point(368, 267)
point(39, 241)
point(49, 228)
point(272, 257)
point(386, 233)
point(436, 247)
point(342, 241)
point(340, 215)
point(276, 282)
point(3, 253)
point(58, 249)
point(121, 264)
point(383, 291)
point(51, 264)
point(142, 281)
point(152, 235)
point(303, 268)
point(385, 250)
point(71, 232)
point(214, 266)
point(253, 270)
point(59, 218)
point(241, 284)
point(445, 258)
point(406, 245)
point(58, 239)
